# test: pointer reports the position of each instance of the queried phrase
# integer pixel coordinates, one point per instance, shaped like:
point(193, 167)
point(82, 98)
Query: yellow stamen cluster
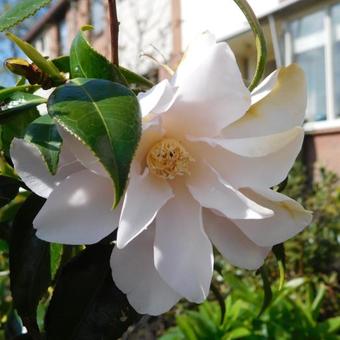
point(168, 159)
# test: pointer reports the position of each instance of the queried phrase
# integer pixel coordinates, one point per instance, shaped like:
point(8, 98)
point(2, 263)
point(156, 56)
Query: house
point(302, 31)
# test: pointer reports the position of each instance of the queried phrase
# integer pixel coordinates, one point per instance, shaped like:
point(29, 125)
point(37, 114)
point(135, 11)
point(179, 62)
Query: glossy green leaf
point(9, 188)
point(135, 79)
point(86, 304)
point(19, 12)
point(37, 58)
point(15, 126)
point(43, 134)
point(105, 116)
point(29, 259)
point(267, 290)
point(18, 102)
point(62, 63)
point(85, 62)
point(6, 92)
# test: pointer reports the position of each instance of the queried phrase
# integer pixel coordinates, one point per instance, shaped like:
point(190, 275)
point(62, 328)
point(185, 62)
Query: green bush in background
point(307, 307)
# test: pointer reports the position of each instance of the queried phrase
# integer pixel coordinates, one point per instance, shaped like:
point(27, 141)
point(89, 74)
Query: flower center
point(168, 159)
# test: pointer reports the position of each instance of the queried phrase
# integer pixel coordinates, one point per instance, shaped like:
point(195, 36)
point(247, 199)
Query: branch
point(114, 30)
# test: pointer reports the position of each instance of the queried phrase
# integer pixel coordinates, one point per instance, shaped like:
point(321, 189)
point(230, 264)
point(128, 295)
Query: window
point(63, 37)
point(98, 16)
point(336, 51)
point(309, 52)
point(314, 43)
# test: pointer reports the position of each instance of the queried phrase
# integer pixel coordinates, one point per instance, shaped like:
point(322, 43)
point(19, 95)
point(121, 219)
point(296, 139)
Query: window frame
point(331, 122)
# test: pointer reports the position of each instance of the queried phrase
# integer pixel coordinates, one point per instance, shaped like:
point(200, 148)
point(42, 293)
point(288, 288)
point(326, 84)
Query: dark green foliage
point(105, 116)
point(43, 133)
point(86, 305)
point(19, 12)
point(29, 261)
point(9, 188)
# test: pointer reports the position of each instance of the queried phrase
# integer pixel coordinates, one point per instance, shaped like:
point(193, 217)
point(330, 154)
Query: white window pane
point(313, 62)
point(308, 34)
point(336, 35)
point(307, 25)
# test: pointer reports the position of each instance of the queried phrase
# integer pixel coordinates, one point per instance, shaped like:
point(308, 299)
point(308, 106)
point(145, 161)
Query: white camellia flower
point(202, 175)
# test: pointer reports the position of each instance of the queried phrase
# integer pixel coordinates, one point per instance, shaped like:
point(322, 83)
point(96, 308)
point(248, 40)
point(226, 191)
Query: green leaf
point(15, 127)
point(19, 12)
point(9, 188)
point(268, 295)
point(86, 304)
point(330, 326)
point(56, 251)
point(18, 102)
point(62, 63)
point(29, 260)
point(85, 62)
point(43, 134)
point(44, 64)
point(135, 79)
point(105, 116)
point(279, 252)
point(6, 92)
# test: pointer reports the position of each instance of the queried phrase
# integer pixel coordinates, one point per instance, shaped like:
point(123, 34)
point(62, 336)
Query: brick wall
point(322, 149)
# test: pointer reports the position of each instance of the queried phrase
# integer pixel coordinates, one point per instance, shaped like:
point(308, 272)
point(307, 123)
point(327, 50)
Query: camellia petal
point(261, 171)
point(182, 250)
point(134, 273)
point(264, 88)
point(289, 218)
point(83, 153)
point(158, 99)
point(145, 195)
point(232, 243)
point(211, 98)
point(78, 211)
point(210, 191)
point(281, 109)
point(30, 166)
point(192, 57)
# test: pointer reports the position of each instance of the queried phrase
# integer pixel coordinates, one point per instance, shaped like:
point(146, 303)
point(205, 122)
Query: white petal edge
point(78, 211)
point(82, 153)
point(30, 166)
point(255, 146)
point(192, 56)
point(264, 88)
point(145, 195)
point(266, 171)
point(182, 250)
point(158, 99)
point(207, 187)
point(281, 109)
point(211, 97)
point(289, 218)
point(134, 273)
point(230, 241)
